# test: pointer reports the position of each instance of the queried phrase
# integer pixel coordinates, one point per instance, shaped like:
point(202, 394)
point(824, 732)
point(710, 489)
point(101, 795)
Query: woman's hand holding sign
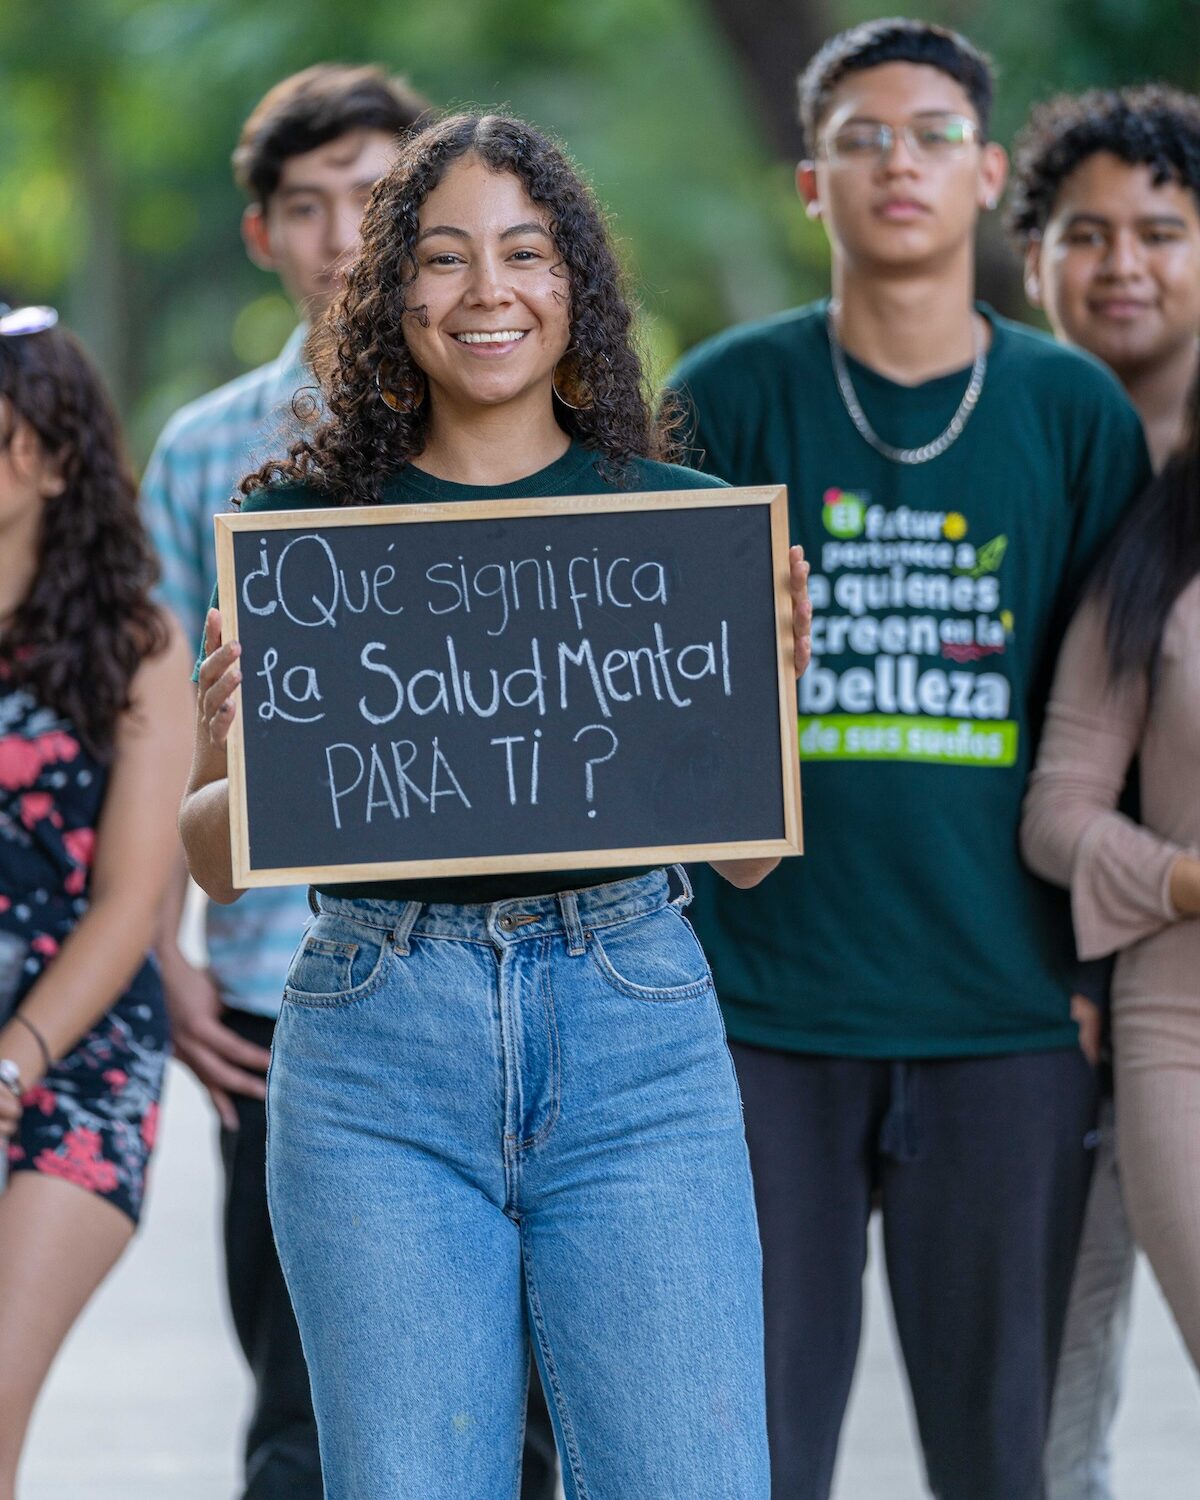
point(220, 677)
point(204, 816)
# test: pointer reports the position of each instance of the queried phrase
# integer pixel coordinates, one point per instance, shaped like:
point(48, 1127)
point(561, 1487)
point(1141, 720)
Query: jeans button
point(507, 923)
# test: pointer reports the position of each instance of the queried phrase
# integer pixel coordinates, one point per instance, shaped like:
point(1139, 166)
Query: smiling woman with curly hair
point(502, 1112)
point(362, 348)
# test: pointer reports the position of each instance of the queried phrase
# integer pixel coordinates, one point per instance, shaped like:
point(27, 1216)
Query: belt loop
point(314, 905)
point(403, 928)
point(568, 903)
point(686, 898)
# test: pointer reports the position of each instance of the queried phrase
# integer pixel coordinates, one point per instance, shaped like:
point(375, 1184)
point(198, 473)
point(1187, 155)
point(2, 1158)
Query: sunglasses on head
point(15, 321)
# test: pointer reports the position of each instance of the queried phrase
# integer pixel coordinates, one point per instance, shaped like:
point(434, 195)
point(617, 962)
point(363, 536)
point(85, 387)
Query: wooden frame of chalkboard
point(768, 508)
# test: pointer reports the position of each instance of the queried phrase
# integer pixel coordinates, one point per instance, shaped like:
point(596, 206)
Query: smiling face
point(309, 229)
point(494, 291)
point(901, 207)
point(1118, 266)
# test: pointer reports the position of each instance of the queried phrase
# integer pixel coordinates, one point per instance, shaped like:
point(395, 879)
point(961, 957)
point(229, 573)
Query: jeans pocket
point(337, 963)
point(656, 958)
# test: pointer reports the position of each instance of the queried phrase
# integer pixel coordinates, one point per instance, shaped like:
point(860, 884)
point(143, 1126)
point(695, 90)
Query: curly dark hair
point(360, 344)
point(87, 622)
point(1151, 125)
point(890, 40)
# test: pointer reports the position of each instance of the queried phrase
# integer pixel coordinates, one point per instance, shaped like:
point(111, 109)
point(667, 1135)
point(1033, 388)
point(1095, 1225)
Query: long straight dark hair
point(1152, 558)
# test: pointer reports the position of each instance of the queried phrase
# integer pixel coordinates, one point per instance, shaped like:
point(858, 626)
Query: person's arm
point(224, 1062)
point(1119, 873)
point(135, 845)
point(747, 872)
point(204, 813)
point(170, 914)
point(1183, 885)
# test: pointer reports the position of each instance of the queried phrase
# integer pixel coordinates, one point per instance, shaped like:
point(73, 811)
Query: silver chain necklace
point(926, 451)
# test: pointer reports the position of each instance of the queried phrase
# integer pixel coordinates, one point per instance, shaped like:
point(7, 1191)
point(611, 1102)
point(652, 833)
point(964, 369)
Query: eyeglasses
point(860, 143)
point(16, 321)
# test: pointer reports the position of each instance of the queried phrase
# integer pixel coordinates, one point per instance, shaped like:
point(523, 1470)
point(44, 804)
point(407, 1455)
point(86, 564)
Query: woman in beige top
point(1128, 686)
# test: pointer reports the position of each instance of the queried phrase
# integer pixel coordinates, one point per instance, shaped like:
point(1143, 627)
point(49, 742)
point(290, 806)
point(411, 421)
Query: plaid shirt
point(196, 466)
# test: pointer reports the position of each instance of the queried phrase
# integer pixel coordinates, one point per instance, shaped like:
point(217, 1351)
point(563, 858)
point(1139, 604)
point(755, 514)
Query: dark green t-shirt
point(576, 473)
point(910, 927)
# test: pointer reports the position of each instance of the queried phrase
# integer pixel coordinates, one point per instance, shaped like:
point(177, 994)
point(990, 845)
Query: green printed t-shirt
point(910, 927)
point(577, 472)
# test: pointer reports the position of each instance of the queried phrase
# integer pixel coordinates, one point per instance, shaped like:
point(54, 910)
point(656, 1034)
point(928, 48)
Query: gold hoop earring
point(575, 385)
point(399, 399)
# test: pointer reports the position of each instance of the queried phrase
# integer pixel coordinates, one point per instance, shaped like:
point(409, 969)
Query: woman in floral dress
point(95, 724)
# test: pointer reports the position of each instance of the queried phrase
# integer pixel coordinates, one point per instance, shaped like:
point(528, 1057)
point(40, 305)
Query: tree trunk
point(772, 41)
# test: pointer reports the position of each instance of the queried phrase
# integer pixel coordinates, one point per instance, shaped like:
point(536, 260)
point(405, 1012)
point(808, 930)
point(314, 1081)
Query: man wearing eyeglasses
point(899, 1000)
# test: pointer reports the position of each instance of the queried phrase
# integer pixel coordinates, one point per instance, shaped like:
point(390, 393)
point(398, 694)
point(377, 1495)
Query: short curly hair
point(891, 40)
point(359, 345)
point(1150, 125)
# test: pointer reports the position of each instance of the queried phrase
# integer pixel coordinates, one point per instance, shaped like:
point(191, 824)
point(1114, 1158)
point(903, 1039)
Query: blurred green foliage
point(1044, 47)
point(117, 118)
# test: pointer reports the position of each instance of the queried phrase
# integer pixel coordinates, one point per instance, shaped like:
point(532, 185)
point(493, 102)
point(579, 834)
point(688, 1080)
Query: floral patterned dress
point(91, 1121)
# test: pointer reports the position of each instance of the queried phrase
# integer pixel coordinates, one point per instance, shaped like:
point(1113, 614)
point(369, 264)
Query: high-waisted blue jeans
point(514, 1123)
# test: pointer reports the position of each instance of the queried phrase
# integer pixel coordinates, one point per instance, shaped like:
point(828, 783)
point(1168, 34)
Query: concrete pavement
point(146, 1400)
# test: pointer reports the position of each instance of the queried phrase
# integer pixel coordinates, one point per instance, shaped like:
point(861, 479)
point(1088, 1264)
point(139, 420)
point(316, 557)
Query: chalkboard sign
point(493, 686)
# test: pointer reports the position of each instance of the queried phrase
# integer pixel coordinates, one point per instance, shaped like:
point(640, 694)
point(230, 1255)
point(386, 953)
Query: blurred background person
point(93, 758)
point(899, 998)
point(1105, 209)
point(1128, 685)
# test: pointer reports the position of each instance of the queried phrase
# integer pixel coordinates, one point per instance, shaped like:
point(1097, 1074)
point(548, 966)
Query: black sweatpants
point(282, 1458)
point(980, 1167)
